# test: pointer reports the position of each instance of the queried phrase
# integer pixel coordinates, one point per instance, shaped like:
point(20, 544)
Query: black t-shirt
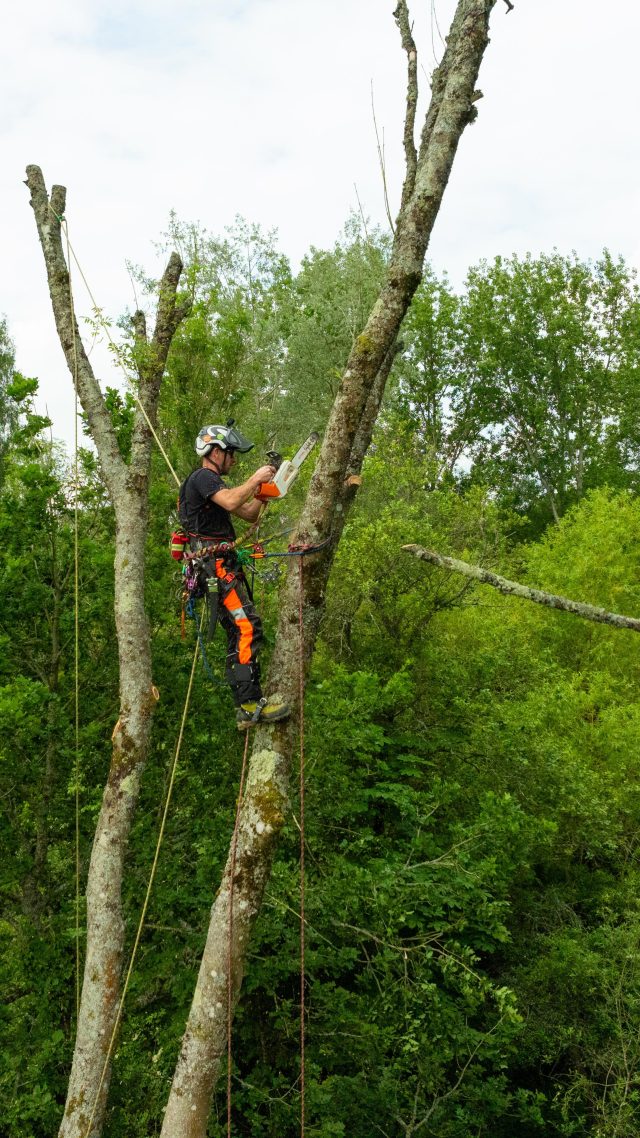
point(198, 514)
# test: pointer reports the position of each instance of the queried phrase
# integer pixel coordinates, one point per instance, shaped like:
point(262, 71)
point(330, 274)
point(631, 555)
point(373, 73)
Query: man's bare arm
point(234, 498)
point(250, 511)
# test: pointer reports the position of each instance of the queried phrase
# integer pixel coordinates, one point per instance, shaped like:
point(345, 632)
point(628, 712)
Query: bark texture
point(128, 486)
point(512, 588)
point(346, 438)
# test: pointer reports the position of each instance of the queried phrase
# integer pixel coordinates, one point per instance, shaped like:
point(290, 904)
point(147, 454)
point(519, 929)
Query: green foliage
point(10, 391)
point(330, 300)
point(122, 411)
point(226, 356)
point(472, 804)
point(527, 382)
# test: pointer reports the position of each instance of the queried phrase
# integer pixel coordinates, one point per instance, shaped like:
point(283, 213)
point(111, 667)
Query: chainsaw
point(286, 471)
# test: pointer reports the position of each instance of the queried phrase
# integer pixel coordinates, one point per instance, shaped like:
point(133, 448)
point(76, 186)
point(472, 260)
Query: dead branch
point(401, 16)
point(512, 588)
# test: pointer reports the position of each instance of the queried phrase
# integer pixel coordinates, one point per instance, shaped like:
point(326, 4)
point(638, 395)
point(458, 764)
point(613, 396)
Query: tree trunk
point(128, 486)
point(265, 801)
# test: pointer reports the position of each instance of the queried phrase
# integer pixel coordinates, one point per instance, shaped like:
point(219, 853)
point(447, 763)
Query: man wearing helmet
point(206, 505)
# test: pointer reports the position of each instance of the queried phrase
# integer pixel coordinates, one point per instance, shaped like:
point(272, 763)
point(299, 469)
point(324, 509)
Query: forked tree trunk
point(128, 486)
point(345, 442)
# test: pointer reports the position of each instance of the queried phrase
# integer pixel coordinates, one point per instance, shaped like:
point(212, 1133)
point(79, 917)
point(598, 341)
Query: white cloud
point(263, 108)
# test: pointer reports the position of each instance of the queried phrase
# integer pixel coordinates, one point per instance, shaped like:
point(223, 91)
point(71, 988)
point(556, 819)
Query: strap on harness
point(258, 711)
point(212, 603)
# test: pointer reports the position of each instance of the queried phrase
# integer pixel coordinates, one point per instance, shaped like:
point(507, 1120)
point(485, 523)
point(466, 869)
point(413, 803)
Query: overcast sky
point(263, 108)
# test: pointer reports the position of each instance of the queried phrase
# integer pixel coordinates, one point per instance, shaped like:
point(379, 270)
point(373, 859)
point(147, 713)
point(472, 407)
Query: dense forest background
point(472, 806)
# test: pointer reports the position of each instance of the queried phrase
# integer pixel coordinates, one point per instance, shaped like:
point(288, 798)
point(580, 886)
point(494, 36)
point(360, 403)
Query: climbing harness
point(194, 579)
point(302, 851)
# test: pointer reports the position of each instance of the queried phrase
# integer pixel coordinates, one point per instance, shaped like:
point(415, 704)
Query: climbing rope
point(76, 638)
point(190, 610)
point(294, 550)
point(136, 943)
point(232, 873)
point(76, 644)
point(302, 882)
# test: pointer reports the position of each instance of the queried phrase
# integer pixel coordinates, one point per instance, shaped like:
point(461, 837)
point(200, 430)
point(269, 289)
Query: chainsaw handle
point(266, 491)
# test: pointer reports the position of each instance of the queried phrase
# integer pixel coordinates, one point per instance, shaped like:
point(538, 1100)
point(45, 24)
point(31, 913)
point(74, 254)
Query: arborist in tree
point(205, 506)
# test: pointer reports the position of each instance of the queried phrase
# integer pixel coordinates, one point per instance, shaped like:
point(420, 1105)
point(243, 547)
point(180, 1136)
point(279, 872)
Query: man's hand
point(264, 474)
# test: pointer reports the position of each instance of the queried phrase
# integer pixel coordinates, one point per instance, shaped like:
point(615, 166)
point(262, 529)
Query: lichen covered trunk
point(128, 485)
point(205, 1040)
point(452, 107)
point(89, 1079)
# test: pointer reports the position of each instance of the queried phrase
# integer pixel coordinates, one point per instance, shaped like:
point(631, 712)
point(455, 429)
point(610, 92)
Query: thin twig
point(364, 220)
point(382, 165)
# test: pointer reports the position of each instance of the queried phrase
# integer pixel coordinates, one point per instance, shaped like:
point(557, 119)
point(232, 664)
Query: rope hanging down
point(76, 641)
point(302, 890)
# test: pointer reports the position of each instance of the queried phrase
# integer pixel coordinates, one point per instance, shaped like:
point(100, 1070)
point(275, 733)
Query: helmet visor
point(235, 440)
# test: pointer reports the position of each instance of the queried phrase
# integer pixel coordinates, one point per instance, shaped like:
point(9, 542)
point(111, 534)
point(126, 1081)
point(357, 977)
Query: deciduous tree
point(127, 482)
point(346, 439)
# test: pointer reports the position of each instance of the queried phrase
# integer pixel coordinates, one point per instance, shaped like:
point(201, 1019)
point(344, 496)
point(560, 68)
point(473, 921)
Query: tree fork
point(128, 486)
point(262, 812)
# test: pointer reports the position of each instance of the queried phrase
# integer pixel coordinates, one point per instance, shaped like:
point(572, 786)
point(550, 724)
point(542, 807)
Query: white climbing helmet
point(227, 438)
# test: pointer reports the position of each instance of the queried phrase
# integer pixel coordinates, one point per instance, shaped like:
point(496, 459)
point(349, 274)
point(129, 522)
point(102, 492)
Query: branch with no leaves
point(401, 17)
point(383, 170)
point(512, 588)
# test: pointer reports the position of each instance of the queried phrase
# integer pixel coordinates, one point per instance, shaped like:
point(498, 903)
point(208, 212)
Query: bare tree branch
point(383, 169)
point(512, 588)
point(49, 216)
point(401, 17)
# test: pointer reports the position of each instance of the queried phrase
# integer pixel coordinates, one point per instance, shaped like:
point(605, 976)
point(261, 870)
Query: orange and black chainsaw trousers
point(243, 627)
